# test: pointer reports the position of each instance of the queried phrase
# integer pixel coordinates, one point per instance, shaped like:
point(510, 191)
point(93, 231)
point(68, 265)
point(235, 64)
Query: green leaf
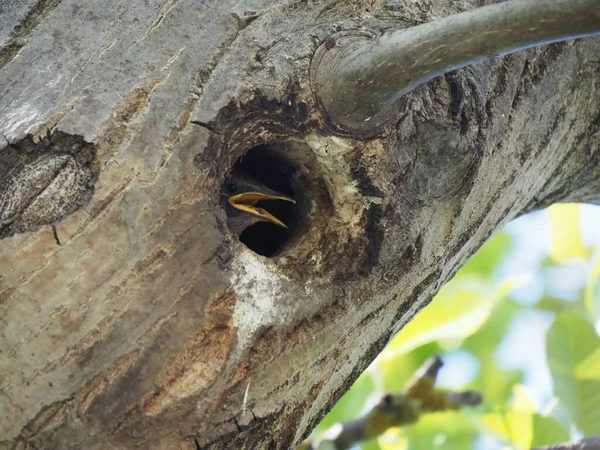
point(573, 352)
point(374, 445)
point(457, 312)
point(557, 305)
point(525, 429)
point(512, 426)
point(496, 384)
point(592, 291)
point(565, 235)
point(547, 431)
point(488, 257)
point(552, 304)
point(522, 400)
point(450, 430)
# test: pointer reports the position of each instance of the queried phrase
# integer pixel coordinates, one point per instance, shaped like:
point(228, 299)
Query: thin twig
point(418, 397)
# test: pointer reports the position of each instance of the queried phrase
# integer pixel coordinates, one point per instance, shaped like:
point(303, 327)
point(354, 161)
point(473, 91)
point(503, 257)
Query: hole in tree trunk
point(258, 222)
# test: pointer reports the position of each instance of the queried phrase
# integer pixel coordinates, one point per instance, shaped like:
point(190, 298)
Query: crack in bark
point(101, 207)
point(45, 419)
point(162, 13)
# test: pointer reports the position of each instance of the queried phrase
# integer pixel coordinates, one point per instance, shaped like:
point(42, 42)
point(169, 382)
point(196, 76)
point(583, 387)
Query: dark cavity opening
point(266, 165)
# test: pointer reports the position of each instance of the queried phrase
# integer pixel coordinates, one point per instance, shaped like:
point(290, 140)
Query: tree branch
point(359, 80)
point(591, 443)
point(418, 397)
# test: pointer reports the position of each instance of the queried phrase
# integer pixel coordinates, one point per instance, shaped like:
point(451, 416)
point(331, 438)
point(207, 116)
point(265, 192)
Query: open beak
point(247, 202)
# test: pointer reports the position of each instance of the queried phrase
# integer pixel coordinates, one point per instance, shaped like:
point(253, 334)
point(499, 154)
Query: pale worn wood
point(152, 326)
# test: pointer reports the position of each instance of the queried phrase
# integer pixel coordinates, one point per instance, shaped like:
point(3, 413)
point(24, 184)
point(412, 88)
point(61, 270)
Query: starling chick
point(240, 195)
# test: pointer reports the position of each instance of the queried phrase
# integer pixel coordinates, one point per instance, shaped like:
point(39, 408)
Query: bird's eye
point(231, 188)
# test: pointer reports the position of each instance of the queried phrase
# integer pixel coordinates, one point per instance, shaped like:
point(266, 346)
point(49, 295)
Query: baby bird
point(239, 196)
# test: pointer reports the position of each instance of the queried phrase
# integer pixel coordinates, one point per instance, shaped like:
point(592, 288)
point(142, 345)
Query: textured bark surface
point(151, 326)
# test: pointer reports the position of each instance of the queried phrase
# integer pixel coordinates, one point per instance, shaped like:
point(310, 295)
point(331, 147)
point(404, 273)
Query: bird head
point(240, 196)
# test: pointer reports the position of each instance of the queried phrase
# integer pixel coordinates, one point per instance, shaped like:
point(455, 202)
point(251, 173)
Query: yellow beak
point(246, 202)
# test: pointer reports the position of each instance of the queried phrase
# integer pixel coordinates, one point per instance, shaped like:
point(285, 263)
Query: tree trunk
point(151, 325)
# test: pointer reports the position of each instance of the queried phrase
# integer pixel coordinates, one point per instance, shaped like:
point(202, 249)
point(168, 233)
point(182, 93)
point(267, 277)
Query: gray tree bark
point(151, 326)
point(591, 443)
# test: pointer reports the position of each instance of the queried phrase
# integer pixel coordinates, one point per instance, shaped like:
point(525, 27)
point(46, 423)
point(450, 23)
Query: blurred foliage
point(573, 349)
point(520, 329)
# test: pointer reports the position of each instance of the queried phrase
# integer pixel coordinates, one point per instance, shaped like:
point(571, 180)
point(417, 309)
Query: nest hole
point(269, 167)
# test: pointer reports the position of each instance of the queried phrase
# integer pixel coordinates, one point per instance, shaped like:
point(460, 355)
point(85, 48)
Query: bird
point(239, 197)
